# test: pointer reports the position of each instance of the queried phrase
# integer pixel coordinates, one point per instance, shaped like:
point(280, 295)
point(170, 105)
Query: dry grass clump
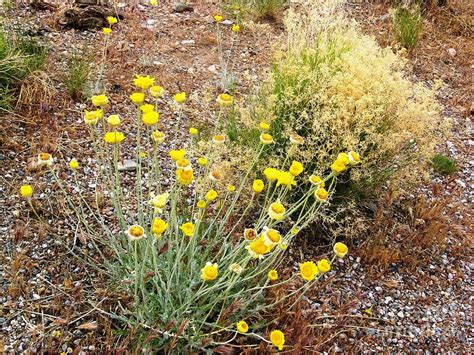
point(339, 90)
point(410, 233)
point(37, 93)
point(20, 55)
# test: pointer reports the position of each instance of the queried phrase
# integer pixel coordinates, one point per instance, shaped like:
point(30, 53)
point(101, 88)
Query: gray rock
point(213, 69)
point(127, 165)
point(183, 8)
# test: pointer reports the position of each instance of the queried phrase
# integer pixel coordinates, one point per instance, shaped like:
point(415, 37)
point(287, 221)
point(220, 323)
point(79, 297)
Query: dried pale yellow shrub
point(341, 91)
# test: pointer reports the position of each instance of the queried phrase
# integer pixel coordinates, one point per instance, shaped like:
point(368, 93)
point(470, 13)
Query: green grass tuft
point(408, 25)
point(443, 164)
point(257, 9)
point(77, 77)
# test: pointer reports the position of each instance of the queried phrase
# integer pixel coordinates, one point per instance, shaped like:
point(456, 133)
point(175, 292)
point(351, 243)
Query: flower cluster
point(185, 237)
point(111, 20)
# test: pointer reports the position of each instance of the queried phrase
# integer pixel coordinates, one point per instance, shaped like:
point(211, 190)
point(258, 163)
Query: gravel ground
point(51, 301)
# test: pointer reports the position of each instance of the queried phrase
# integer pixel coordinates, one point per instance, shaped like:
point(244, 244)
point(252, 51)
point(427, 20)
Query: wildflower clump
point(178, 242)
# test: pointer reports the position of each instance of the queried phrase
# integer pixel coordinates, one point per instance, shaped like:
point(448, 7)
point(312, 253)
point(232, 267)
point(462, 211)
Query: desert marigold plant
point(181, 250)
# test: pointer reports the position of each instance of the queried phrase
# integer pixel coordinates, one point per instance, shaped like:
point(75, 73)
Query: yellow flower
point(271, 237)
point(225, 100)
point(136, 232)
point(340, 164)
point(236, 268)
point(265, 138)
point(321, 194)
point(137, 98)
point(218, 18)
point(56, 334)
point(264, 126)
point(114, 120)
point(276, 211)
point(44, 159)
point(338, 167)
point(316, 181)
point(156, 91)
point(202, 161)
point(193, 131)
point(99, 100)
point(187, 229)
point(73, 164)
point(308, 270)
point(150, 118)
point(258, 186)
point(354, 158)
point(106, 31)
point(159, 201)
point(343, 158)
point(177, 154)
point(145, 108)
point(242, 326)
point(114, 137)
point(250, 233)
point(210, 271)
point(340, 249)
point(271, 174)
point(235, 28)
point(257, 248)
point(324, 266)
point(180, 97)
point(230, 188)
point(211, 195)
point(283, 246)
point(296, 139)
point(201, 204)
point(273, 275)
point(277, 338)
point(296, 168)
point(112, 20)
point(158, 136)
point(92, 117)
point(286, 179)
point(185, 177)
point(159, 227)
point(26, 191)
point(218, 139)
point(153, 2)
point(143, 82)
point(294, 231)
point(183, 164)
